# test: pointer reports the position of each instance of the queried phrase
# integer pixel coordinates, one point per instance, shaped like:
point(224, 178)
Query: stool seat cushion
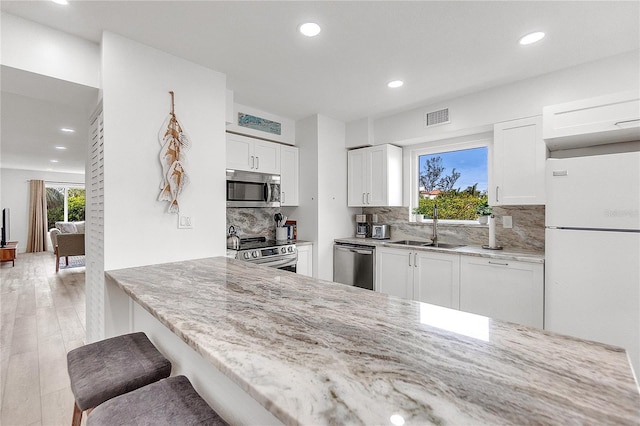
point(102, 370)
point(171, 401)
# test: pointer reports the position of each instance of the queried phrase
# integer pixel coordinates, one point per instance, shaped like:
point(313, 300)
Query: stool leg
point(77, 415)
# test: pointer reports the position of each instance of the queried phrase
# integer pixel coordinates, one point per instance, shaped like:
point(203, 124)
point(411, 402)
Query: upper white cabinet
point(519, 156)
point(289, 176)
point(503, 289)
point(253, 155)
point(595, 121)
point(375, 176)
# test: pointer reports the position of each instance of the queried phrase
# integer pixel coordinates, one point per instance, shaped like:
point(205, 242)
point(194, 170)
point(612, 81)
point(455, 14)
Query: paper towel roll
point(492, 231)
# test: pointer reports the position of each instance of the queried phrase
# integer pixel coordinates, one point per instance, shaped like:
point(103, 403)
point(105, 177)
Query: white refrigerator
point(592, 249)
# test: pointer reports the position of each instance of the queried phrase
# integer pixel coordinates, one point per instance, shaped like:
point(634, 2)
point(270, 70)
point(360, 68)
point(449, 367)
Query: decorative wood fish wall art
point(175, 142)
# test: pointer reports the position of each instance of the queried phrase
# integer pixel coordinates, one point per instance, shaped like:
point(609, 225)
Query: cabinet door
point(503, 289)
point(394, 272)
point(289, 169)
point(267, 157)
point(436, 279)
point(305, 260)
point(356, 175)
point(376, 194)
point(519, 155)
point(240, 153)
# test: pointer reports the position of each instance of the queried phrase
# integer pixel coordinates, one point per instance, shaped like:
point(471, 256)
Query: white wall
point(478, 112)
point(33, 47)
point(136, 81)
point(14, 194)
point(323, 189)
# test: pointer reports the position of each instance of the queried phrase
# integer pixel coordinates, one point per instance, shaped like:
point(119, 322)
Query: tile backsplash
point(527, 234)
point(251, 222)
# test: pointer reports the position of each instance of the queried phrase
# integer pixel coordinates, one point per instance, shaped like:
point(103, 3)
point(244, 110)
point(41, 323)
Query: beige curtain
point(37, 240)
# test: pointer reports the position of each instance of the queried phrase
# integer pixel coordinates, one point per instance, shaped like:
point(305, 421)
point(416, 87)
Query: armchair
point(66, 244)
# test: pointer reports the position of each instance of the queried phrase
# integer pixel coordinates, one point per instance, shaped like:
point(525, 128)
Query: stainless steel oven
point(274, 254)
point(251, 189)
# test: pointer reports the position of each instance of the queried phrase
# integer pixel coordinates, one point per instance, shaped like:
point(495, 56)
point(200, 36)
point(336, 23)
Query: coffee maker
point(363, 225)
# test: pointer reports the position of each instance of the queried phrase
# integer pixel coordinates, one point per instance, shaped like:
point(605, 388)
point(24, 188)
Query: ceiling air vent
point(436, 117)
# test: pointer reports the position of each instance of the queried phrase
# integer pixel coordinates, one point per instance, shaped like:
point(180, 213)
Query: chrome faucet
point(434, 238)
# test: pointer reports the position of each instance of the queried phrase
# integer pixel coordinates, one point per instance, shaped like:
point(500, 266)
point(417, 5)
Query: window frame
point(441, 146)
point(67, 187)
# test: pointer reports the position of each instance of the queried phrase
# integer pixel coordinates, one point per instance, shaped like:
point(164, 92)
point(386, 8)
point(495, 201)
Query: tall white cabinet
point(519, 155)
point(375, 176)
point(289, 176)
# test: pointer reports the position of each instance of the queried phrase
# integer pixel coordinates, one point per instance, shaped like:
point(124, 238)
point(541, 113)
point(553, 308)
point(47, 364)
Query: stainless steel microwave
point(251, 189)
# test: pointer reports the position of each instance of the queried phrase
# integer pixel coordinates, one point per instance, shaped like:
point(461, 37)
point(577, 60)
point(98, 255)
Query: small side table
point(8, 252)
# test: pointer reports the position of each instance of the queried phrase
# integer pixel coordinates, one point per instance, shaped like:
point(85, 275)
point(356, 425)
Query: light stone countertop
point(466, 250)
point(315, 352)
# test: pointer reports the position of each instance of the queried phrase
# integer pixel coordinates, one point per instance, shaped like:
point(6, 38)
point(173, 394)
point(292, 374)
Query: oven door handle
point(279, 263)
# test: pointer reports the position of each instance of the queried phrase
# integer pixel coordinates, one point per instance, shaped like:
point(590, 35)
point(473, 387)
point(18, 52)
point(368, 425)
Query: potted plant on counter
point(420, 213)
point(484, 210)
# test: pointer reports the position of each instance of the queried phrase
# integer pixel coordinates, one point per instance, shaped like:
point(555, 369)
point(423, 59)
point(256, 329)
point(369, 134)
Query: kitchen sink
point(426, 244)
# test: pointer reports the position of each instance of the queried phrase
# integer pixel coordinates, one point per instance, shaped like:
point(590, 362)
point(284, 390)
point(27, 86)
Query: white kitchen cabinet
point(436, 278)
point(289, 176)
point(424, 276)
point(519, 155)
point(253, 155)
point(503, 289)
point(305, 260)
point(594, 121)
point(394, 272)
point(375, 176)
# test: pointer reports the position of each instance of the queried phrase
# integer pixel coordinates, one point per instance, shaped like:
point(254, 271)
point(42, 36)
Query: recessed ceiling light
point(61, 147)
point(63, 2)
point(310, 29)
point(532, 38)
point(395, 83)
point(53, 161)
point(67, 130)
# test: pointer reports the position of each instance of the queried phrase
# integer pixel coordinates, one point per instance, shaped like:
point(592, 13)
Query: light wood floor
point(42, 317)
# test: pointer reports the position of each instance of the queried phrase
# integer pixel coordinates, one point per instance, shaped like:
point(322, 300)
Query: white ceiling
point(441, 49)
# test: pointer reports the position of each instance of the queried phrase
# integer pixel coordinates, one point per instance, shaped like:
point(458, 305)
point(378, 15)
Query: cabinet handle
point(364, 198)
point(283, 197)
point(415, 260)
point(368, 198)
point(253, 162)
point(626, 121)
point(257, 163)
point(497, 190)
point(409, 259)
point(498, 263)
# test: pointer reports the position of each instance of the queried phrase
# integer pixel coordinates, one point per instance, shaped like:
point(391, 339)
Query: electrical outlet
point(507, 222)
point(184, 222)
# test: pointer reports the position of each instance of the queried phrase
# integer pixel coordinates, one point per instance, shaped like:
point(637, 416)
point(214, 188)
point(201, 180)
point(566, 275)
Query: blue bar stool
point(103, 370)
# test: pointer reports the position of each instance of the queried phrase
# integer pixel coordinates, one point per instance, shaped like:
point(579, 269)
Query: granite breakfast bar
point(265, 346)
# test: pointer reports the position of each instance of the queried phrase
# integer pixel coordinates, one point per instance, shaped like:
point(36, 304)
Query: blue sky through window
point(470, 163)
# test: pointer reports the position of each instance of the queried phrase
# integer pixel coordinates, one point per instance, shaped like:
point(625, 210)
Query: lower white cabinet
point(305, 260)
point(503, 289)
point(436, 277)
point(394, 272)
point(424, 276)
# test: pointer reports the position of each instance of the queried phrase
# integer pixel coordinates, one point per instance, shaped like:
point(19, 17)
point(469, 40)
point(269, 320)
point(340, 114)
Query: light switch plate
point(507, 222)
point(184, 222)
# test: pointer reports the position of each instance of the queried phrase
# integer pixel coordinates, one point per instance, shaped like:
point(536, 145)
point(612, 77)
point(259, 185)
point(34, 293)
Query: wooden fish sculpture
point(175, 142)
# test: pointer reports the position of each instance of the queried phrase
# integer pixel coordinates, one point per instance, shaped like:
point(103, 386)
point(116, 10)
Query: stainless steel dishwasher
point(354, 264)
